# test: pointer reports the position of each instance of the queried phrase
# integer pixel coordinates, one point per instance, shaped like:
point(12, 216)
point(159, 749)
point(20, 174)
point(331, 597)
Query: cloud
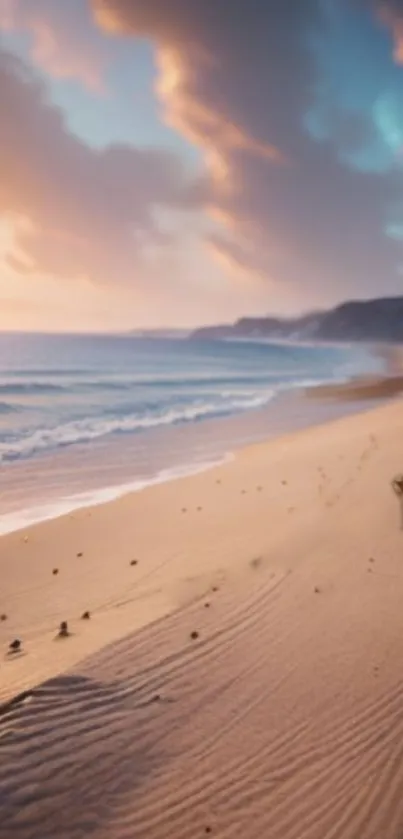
point(62, 37)
point(78, 212)
point(391, 14)
point(239, 79)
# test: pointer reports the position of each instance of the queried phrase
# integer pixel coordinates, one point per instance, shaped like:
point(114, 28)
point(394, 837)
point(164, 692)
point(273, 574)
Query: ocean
point(84, 419)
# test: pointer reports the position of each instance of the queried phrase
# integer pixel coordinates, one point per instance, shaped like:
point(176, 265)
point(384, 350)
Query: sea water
point(84, 419)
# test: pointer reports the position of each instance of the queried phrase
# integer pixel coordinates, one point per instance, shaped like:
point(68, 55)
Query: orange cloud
point(393, 19)
point(77, 212)
point(236, 78)
point(64, 41)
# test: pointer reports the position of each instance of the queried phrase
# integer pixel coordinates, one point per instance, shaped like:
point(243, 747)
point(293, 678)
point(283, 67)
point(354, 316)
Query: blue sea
point(87, 418)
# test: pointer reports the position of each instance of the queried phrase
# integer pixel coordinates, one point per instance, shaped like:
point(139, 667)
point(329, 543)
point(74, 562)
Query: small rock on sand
point(85, 616)
point(80, 553)
point(134, 562)
point(55, 571)
point(15, 646)
point(194, 635)
point(3, 617)
point(63, 630)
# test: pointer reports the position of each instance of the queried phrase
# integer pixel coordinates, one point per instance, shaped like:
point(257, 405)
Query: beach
point(240, 672)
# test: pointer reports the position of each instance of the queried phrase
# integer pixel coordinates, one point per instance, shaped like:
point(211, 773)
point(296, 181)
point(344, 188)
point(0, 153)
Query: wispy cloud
point(63, 40)
point(78, 212)
point(238, 79)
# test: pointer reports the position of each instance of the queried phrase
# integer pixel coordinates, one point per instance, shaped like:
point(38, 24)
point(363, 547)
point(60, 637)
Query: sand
point(282, 717)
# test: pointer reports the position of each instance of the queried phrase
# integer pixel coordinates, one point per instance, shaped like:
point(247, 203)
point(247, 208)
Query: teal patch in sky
point(394, 231)
point(357, 80)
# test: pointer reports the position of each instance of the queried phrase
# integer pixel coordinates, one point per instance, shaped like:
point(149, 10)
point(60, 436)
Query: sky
point(193, 161)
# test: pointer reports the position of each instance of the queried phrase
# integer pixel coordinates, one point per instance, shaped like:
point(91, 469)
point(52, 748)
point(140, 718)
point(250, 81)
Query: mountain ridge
point(379, 320)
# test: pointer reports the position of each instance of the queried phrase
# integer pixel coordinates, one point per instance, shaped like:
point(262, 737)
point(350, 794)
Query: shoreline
point(289, 412)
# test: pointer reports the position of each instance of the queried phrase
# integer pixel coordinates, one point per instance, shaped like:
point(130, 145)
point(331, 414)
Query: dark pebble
point(184, 510)
point(3, 617)
point(208, 830)
point(134, 562)
point(215, 588)
point(85, 616)
point(199, 509)
point(63, 630)
point(15, 646)
point(80, 553)
point(55, 571)
point(207, 605)
point(194, 635)
point(317, 590)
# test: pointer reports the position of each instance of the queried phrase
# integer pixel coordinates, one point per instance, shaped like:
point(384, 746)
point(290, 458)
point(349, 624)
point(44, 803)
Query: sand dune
point(283, 718)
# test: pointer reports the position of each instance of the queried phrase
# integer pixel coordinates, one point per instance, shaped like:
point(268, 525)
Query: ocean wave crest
point(88, 429)
point(28, 388)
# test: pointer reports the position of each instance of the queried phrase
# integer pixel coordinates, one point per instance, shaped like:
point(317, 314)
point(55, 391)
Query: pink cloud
point(392, 17)
point(237, 78)
point(78, 212)
point(64, 41)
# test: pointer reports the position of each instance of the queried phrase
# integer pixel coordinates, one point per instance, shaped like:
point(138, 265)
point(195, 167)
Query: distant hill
point(379, 320)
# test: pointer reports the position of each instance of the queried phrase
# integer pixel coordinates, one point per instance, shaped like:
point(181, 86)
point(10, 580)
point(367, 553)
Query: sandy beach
point(240, 673)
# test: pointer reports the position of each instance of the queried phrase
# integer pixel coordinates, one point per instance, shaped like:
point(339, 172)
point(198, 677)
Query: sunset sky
point(178, 162)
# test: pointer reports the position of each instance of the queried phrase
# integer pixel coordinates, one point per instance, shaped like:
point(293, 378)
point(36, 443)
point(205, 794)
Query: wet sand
point(239, 673)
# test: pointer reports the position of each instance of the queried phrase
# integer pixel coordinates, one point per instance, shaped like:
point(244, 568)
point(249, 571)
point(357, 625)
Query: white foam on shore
point(11, 522)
